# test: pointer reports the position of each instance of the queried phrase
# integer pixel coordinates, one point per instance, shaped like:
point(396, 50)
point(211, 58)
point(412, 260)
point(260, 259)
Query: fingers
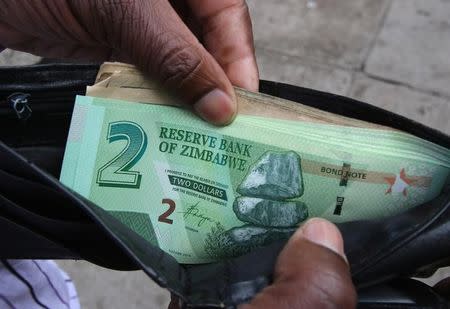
point(227, 34)
point(162, 45)
point(311, 272)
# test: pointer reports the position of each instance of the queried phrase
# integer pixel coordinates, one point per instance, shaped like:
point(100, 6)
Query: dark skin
point(151, 35)
point(197, 49)
point(311, 272)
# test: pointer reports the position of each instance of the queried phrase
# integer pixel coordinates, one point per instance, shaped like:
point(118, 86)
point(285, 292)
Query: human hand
point(151, 34)
point(311, 272)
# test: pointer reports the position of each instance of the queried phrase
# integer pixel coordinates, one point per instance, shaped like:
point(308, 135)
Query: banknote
point(203, 193)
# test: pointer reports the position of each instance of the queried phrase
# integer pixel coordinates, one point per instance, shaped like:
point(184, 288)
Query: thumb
point(163, 47)
point(311, 272)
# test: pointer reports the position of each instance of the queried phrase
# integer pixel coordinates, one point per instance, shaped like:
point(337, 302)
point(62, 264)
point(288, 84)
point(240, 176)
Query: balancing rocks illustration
point(266, 205)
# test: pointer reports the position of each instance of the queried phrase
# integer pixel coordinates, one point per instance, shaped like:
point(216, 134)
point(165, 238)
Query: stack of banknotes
point(203, 193)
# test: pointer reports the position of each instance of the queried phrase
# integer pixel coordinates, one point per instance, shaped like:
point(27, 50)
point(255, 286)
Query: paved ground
point(391, 53)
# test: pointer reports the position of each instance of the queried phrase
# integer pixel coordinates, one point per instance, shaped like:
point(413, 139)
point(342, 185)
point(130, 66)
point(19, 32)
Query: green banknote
point(203, 193)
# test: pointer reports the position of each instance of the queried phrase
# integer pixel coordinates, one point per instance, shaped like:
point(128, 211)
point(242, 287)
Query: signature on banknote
point(194, 212)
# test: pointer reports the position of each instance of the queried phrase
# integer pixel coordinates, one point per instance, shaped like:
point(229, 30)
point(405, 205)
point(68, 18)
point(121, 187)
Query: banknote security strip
point(203, 193)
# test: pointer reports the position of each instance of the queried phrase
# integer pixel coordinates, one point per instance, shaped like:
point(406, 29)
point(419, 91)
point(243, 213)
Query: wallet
point(42, 219)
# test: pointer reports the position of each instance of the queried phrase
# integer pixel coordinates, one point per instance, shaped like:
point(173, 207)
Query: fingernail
point(216, 107)
point(323, 233)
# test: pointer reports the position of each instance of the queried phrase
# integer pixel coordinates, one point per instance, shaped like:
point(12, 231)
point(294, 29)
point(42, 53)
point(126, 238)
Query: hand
point(151, 34)
point(311, 272)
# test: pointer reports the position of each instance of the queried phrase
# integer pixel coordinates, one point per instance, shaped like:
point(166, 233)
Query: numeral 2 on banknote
point(117, 172)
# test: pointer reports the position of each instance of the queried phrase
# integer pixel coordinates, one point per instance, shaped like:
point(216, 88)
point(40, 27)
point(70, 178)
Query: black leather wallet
point(40, 218)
